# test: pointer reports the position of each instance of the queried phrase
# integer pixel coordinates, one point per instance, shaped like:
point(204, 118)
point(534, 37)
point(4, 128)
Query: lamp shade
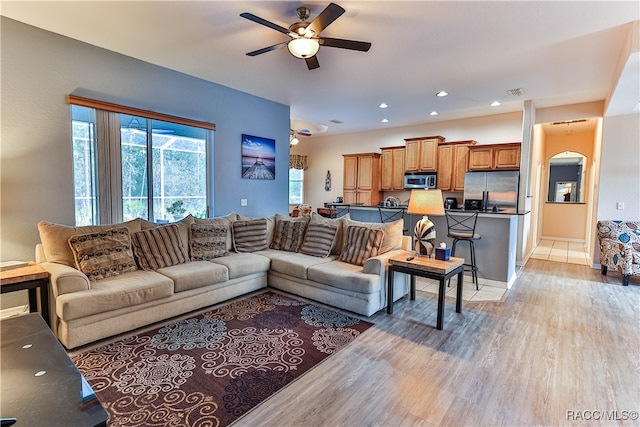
point(303, 47)
point(425, 202)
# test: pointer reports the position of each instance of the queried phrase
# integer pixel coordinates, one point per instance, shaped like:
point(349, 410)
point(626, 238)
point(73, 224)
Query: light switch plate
point(620, 205)
point(243, 202)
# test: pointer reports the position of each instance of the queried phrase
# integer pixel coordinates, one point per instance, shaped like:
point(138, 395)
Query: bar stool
point(391, 214)
point(462, 227)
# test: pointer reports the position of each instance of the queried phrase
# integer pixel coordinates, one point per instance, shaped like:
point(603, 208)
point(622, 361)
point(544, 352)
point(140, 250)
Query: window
point(128, 166)
point(296, 186)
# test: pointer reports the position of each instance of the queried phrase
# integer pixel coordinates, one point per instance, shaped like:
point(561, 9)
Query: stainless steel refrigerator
point(496, 190)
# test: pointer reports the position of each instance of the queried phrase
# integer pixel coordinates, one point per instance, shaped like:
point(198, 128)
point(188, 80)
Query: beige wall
point(567, 220)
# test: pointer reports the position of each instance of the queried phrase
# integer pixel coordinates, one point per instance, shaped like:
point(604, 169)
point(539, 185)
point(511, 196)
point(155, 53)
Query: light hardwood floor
point(564, 339)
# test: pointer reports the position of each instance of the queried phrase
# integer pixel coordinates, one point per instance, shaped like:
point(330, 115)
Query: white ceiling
point(558, 52)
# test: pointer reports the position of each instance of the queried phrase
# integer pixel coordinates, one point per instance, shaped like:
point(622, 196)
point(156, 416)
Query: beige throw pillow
point(362, 244)
point(250, 235)
point(318, 240)
point(340, 223)
point(55, 238)
point(159, 247)
point(392, 233)
point(207, 241)
point(226, 220)
point(103, 254)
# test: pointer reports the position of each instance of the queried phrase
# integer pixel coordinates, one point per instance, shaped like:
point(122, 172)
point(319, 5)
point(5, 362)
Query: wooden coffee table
point(32, 278)
point(430, 268)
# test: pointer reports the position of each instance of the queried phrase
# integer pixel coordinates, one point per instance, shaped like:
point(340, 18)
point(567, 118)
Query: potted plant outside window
point(176, 209)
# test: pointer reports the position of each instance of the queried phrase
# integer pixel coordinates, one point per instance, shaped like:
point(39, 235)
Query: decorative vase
point(424, 236)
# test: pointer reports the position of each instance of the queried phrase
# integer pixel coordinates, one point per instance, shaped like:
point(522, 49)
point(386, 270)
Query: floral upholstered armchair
point(620, 247)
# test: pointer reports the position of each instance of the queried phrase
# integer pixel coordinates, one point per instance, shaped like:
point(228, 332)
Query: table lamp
point(425, 202)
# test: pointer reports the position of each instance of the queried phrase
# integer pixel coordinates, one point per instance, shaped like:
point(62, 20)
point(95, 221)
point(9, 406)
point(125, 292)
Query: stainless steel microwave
point(420, 180)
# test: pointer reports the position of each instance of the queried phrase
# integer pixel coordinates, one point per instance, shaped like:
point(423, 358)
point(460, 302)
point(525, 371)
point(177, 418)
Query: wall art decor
point(258, 157)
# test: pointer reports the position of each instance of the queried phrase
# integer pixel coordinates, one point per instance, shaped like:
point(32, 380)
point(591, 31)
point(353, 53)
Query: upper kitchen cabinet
point(494, 157)
point(392, 168)
point(421, 154)
point(453, 158)
point(361, 181)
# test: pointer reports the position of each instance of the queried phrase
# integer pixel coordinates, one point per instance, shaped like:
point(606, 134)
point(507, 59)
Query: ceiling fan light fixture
point(303, 47)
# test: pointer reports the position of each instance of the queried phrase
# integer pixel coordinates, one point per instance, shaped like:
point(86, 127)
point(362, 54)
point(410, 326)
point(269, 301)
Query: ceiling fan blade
point(257, 19)
point(266, 49)
point(345, 44)
point(312, 63)
point(326, 17)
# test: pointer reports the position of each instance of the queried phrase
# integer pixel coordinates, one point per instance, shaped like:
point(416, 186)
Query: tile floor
point(469, 293)
point(562, 251)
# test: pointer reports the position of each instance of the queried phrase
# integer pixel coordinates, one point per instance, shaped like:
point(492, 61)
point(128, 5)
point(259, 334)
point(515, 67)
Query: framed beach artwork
point(258, 157)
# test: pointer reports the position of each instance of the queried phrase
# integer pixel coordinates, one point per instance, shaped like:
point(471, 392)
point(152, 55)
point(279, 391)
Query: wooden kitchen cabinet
point(421, 154)
point(507, 156)
point(495, 157)
point(453, 158)
point(361, 181)
point(392, 168)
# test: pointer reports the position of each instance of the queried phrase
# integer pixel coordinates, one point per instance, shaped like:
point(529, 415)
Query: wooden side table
point(32, 278)
point(430, 268)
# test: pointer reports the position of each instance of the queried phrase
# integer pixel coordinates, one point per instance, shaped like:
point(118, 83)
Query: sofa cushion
point(243, 264)
point(55, 238)
point(319, 239)
point(289, 233)
point(104, 253)
point(207, 241)
point(362, 243)
point(196, 274)
point(291, 263)
point(393, 232)
point(250, 235)
point(113, 293)
point(346, 276)
point(341, 223)
point(159, 247)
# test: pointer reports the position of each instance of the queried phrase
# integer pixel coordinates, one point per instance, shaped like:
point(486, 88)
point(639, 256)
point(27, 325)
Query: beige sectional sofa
point(111, 279)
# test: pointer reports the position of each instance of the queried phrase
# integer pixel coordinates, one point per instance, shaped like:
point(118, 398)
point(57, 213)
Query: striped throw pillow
point(159, 247)
point(319, 239)
point(362, 244)
point(207, 241)
point(288, 235)
point(104, 253)
point(250, 235)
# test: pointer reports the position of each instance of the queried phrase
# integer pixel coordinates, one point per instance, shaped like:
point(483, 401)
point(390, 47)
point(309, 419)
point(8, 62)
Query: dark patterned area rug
point(211, 369)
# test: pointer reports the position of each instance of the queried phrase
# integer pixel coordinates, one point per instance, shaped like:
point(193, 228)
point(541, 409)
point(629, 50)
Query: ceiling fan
point(305, 36)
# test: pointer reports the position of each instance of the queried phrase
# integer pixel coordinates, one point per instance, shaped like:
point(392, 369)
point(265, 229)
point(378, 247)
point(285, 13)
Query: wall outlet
point(620, 205)
point(243, 202)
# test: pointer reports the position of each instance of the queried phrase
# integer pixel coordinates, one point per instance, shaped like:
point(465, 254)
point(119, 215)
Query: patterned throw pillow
point(250, 235)
point(362, 243)
point(159, 247)
point(288, 235)
point(318, 240)
point(104, 253)
point(207, 241)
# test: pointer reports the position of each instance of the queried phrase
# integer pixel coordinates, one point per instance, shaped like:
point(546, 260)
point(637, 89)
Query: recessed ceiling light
point(433, 113)
point(383, 105)
point(385, 120)
point(442, 93)
point(495, 103)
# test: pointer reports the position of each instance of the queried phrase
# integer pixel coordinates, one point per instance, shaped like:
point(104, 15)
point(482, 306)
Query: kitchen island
point(495, 251)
